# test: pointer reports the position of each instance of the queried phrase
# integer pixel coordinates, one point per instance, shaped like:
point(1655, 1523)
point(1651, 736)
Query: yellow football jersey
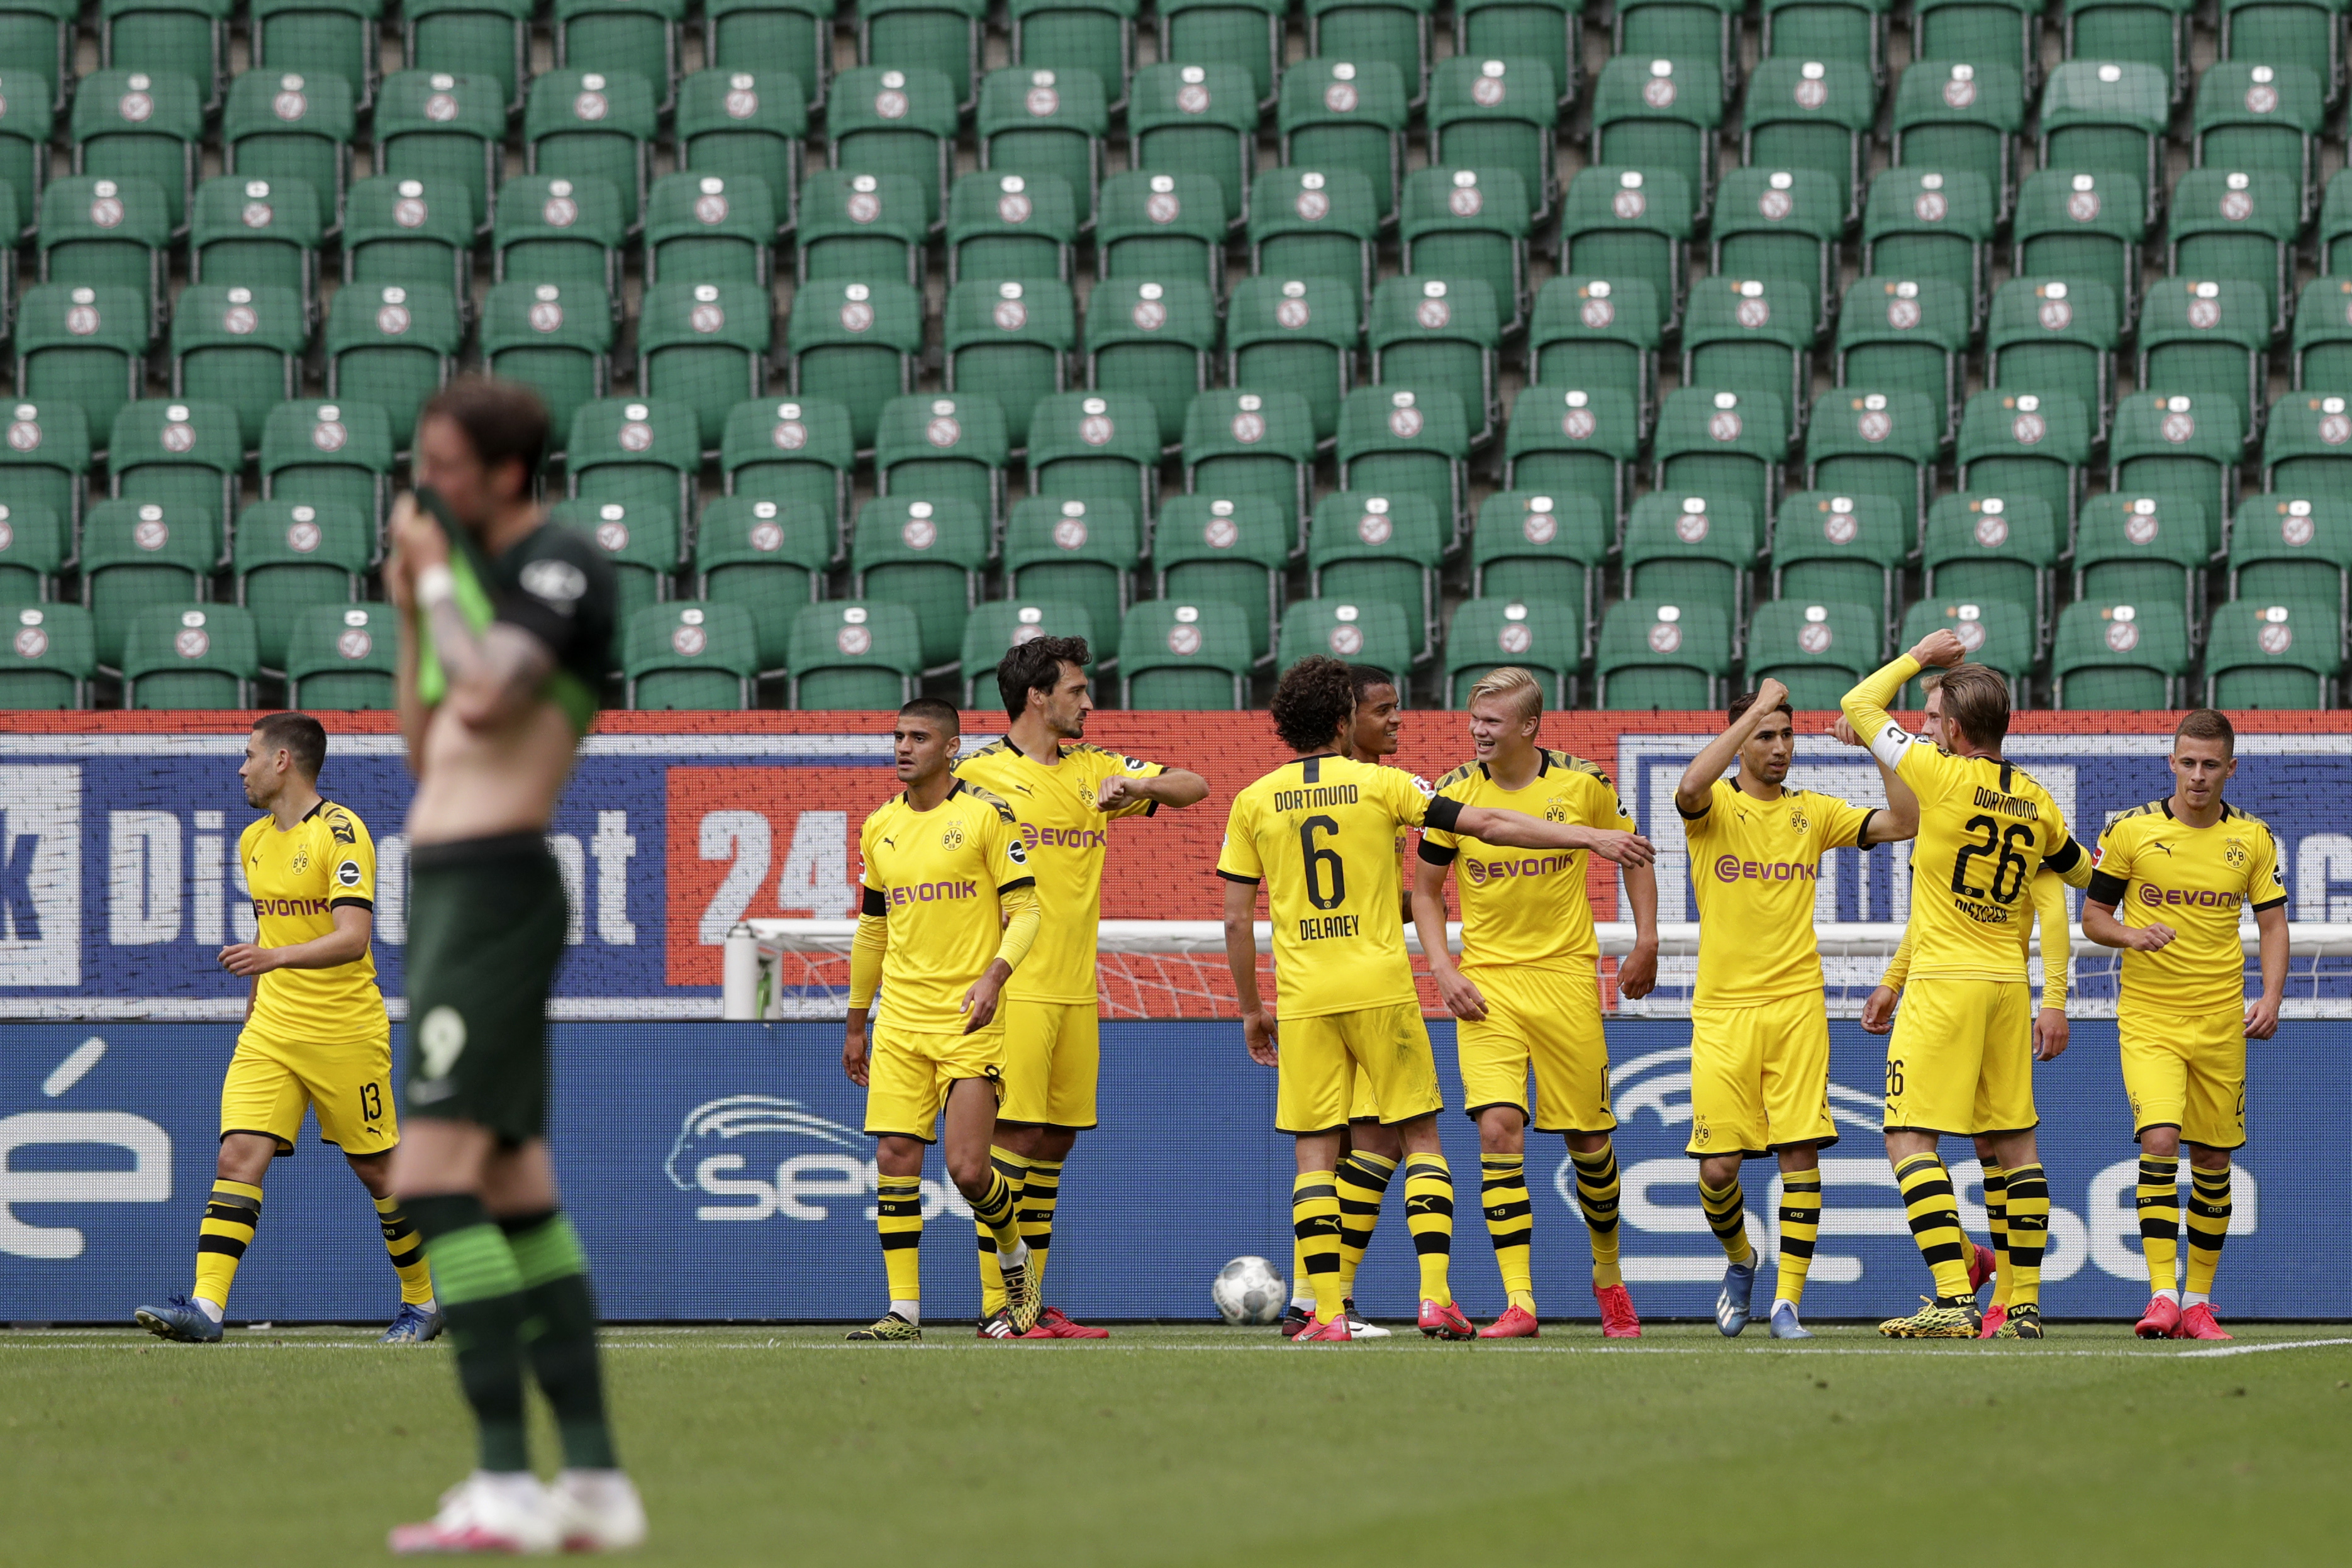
point(1064, 832)
point(299, 878)
point(935, 877)
point(2157, 870)
point(1320, 833)
point(1755, 865)
point(1527, 906)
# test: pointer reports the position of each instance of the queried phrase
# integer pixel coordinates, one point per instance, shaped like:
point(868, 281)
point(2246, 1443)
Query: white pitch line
point(2258, 1349)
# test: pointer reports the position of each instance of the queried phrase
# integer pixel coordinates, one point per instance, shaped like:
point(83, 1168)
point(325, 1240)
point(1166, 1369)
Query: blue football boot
point(1785, 1324)
point(412, 1325)
point(1739, 1289)
point(179, 1319)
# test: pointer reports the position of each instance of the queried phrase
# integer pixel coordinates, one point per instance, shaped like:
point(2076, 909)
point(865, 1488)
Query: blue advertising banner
point(717, 1171)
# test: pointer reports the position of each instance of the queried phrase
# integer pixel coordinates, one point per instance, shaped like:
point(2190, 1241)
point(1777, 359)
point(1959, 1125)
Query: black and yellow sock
point(1014, 1171)
point(2029, 1234)
point(993, 1212)
point(1428, 1215)
point(2158, 1195)
point(1315, 1223)
point(1726, 1216)
point(1996, 1191)
point(1934, 1216)
point(899, 1217)
point(559, 1336)
point(231, 1213)
point(1510, 1223)
point(407, 1252)
point(1363, 1181)
point(1596, 1195)
point(2209, 1225)
point(1041, 1190)
point(1800, 1227)
point(482, 1303)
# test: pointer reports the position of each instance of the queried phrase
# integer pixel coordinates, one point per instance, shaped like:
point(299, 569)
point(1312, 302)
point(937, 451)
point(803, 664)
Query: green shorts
point(486, 924)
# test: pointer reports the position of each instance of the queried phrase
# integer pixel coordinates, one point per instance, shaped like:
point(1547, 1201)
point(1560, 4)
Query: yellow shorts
point(2186, 1071)
point(1322, 1055)
point(1363, 1105)
point(1548, 1019)
point(907, 1075)
point(270, 1084)
point(1053, 1056)
point(1760, 1077)
point(1961, 1059)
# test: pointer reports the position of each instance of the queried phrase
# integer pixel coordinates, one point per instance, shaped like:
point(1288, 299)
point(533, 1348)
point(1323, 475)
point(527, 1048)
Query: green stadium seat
point(707, 228)
point(342, 657)
point(180, 453)
point(944, 449)
point(1012, 341)
point(1659, 114)
point(2207, 338)
point(1176, 657)
point(1981, 547)
point(2322, 334)
point(1783, 226)
point(1830, 548)
point(2227, 223)
point(1750, 337)
point(1096, 35)
point(254, 232)
point(2138, 548)
point(690, 657)
point(2263, 117)
point(1630, 225)
point(2178, 443)
point(1504, 114)
point(1394, 32)
point(82, 346)
point(1549, 31)
point(2288, 547)
point(942, 36)
point(11, 225)
point(200, 656)
point(1245, 443)
point(744, 125)
point(1232, 550)
point(34, 540)
point(1819, 649)
point(1829, 30)
point(1963, 117)
point(489, 37)
point(1160, 225)
point(705, 345)
point(1011, 226)
point(393, 346)
point(1470, 222)
point(2274, 655)
point(856, 341)
point(49, 660)
point(1375, 632)
point(1095, 447)
point(37, 44)
point(798, 453)
point(2303, 440)
point(1568, 441)
point(1306, 222)
point(1598, 331)
point(1931, 226)
point(1346, 113)
point(1397, 441)
point(1811, 114)
point(640, 541)
point(46, 459)
point(861, 226)
point(410, 232)
point(1542, 637)
point(1542, 549)
point(1995, 632)
point(329, 455)
point(2107, 118)
point(1196, 120)
point(1301, 333)
point(292, 127)
point(554, 228)
point(2153, 33)
point(1706, 31)
point(769, 557)
point(1155, 340)
point(1036, 122)
point(593, 125)
point(848, 655)
point(1722, 445)
point(291, 557)
point(2309, 31)
point(27, 125)
point(794, 38)
point(556, 339)
point(1865, 443)
point(638, 452)
point(1365, 548)
point(337, 40)
point(109, 233)
point(1690, 550)
point(2053, 335)
point(621, 36)
point(1656, 655)
point(893, 120)
point(1222, 31)
point(2086, 229)
point(999, 625)
point(1429, 332)
point(139, 554)
point(1083, 553)
point(437, 126)
point(2027, 444)
point(2125, 657)
point(926, 556)
point(189, 36)
point(1903, 334)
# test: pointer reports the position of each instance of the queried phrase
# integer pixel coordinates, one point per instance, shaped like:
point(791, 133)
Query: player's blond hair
point(1515, 684)
point(1976, 703)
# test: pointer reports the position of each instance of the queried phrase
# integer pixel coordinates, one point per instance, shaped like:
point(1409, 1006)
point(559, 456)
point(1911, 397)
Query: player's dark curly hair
point(1314, 699)
point(1036, 666)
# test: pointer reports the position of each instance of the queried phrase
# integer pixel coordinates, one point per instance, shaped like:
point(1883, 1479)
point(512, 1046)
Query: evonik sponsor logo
point(709, 1156)
point(65, 1179)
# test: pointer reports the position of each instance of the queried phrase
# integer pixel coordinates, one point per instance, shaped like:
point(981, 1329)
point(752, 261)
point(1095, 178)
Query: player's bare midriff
point(477, 783)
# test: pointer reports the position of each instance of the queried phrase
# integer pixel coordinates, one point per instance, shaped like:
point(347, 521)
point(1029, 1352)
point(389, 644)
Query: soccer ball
point(1248, 1290)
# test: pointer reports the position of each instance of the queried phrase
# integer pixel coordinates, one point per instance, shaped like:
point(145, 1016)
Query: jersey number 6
point(1318, 860)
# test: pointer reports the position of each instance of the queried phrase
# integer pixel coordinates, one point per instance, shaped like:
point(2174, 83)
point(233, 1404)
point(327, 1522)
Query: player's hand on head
point(1940, 647)
point(1878, 1010)
point(2050, 1034)
point(1769, 695)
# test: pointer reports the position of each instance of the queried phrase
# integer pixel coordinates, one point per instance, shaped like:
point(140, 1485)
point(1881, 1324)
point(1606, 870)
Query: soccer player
point(2178, 871)
point(1760, 1029)
point(950, 910)
point(315, 1032)
point(1960, 1059)
point(1066, 794)
point(506, 640)
point(1527, 993)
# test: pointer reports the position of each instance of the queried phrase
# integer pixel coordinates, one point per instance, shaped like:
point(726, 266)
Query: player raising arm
point(951, 911)
point(1960, 1059)
point(1320, 833)
point(2171, 878)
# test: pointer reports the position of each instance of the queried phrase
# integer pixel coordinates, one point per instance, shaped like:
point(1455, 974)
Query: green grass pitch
point(1168, 1446)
